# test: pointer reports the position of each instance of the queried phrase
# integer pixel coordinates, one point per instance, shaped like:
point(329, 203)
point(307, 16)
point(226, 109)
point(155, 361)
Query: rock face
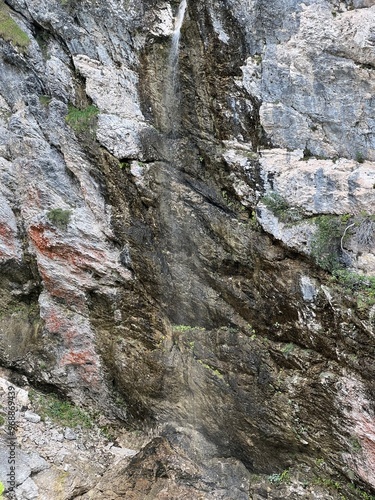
point(199, 264)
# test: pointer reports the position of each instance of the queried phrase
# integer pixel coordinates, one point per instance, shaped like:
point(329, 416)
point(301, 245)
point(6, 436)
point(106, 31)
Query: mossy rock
point(10, 31)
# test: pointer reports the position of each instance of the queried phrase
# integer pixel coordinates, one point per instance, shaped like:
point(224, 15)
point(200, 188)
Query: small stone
point(123, 452)
point(32, 417)
point(70, 434)
point(28, 490)
point(57, 436)
point(37, 463)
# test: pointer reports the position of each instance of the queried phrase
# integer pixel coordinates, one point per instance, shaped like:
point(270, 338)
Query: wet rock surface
point(180, 273)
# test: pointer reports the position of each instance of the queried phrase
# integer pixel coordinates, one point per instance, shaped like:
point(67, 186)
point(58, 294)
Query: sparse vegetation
point(326, 243)
point(213, 370)
point(2, 488)
point(61, 412)
point(281, 208)
point(360, 286)
point(186, 328)
point(83, 120)
point(340, 487)
point(283, 477)
point(365, 230)
point(2, 420)
point(250, 329)
point(45, 100)
point(355, 282)
point(320, 462)
point(359, 157)
point(328, 483)
point(288, 348)
point(9, 29)
point(355, 444)
point(361, 493)
point(276, 203)
point(59, 217)
point(124, 165)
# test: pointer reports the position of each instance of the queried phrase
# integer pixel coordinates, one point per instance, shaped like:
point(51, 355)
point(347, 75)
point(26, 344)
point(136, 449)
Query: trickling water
point(173, 57)
point(172, 100)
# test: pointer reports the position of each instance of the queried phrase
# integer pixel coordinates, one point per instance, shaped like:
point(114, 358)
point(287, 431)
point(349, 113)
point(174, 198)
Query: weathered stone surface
point(315, 81)
point(319, 186)
point(28, 490)
point(169, 293)
point(32, 417)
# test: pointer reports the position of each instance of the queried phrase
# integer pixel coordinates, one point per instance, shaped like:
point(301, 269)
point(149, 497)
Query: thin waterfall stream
point(171, 97)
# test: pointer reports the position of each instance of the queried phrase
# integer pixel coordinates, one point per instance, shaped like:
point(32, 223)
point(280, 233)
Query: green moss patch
point(61, 412)
point(10, 31)
point(83, 120)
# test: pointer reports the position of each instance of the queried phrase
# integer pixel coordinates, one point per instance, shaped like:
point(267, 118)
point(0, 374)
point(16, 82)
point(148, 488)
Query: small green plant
point(45, 100)
point(10, 31)
point(108, 433)
point(227, 199)
point(281, 208)
point(82, 120)
point(355, 282)
point(61, 412)
point(2, 489)
point(359, 157)
point(288, 348)
point(320, 462)
point(187, 328)
point(59, 217)
point(2, 420)
point(359, 285)
point(327, 240)
point(213, 370)
point(307, 154)
point(283, 477)
point(355, 444)
point(328, 483)
point(276, 203)
point(124, 165)
point(182, 328)
point(361, 493)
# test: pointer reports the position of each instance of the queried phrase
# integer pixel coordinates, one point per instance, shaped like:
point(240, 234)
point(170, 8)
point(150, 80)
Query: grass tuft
point(10, 31)
point(82, 120)
point(61, 412)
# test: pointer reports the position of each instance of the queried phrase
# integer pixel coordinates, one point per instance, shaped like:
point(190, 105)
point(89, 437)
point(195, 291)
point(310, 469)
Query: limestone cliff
point(187, 241)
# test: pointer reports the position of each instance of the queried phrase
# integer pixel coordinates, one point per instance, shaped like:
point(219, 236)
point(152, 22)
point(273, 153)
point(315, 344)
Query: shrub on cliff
point(326, 243)
point(59, 217)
